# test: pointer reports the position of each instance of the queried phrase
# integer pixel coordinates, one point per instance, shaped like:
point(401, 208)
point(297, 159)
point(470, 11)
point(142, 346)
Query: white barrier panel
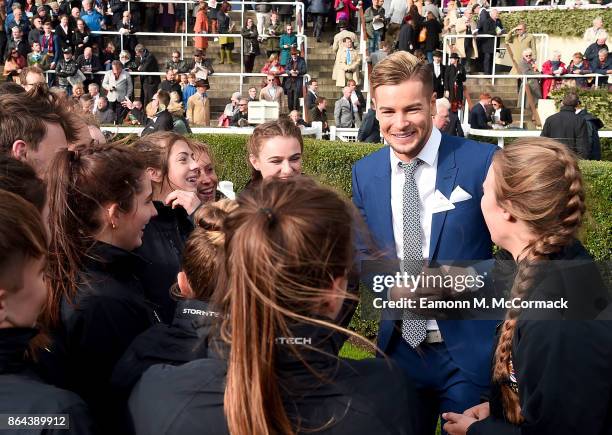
point(306, 131)
point(501, 134)
point(263, 111)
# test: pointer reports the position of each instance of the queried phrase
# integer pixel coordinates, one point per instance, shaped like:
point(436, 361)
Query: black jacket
point(407, 38)
point(454, 77)
point(162, 246)
point(109, 310)
point(438, 82)
point(184, 340)
point(170, 86)
point(594, 124)
point(479, 118)
point(23, 392)
point(370, 396)
point(486, 26)
point(370, 128)
point(562, 360)
point(250, 43)
point(162, 121)
point(454, 125)
point(432, 41)
point(569, 129)
point(148, 63)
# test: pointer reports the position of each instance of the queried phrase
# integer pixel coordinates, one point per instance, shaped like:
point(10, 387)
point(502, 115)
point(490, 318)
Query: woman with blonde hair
point(552, 368)
point(288, 249)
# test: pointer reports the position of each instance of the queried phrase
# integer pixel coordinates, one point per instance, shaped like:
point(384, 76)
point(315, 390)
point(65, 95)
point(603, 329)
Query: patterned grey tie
point(413, 325)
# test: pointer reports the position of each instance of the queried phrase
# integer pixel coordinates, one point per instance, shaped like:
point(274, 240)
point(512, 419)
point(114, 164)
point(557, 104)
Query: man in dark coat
point(432, 39)
point(438, 71)
point(486, 46)
point(594, 124)
point(478, 115)
point(292, 84)
point(454, 77)
point(370, 128)
point(169, 84)
point(569, 128)
point(161, 121)
point(147, 62)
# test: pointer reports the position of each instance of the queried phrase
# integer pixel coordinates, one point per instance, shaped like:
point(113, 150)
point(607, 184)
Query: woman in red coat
point(201, 26)
point(343, 8)
point(555, 67)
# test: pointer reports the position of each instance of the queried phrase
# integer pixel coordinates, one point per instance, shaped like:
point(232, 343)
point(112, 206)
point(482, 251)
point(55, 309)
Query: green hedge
point(330, 162)
point(556, 22)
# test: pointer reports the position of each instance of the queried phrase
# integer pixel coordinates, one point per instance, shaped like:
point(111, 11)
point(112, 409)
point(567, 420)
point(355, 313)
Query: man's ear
point(183, 283)
point(254, 161)
point(20, 150)
point(156, 175)
point(432, 103)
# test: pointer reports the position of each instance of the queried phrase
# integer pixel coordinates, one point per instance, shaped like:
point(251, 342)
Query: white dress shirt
point(425, 177)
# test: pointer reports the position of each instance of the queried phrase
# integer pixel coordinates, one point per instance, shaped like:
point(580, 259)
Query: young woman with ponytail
point(183, 178)
point(552, 369)
point(99, 205)
point(23, 242)
point(186, 337)
point(276, 370)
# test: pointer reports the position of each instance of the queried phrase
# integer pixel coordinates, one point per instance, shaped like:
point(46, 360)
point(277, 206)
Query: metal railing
point(306, 131)
point(542, 55)
point(502, 134)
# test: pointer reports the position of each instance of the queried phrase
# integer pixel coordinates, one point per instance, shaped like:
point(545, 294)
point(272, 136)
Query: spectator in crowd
point(50, 45)
point(407, 39)
point(169, 84)
point(183, 81)
point(176, 109)
point(395, 17)
point(78, 91)
point(201, 66)
point(253, 94)
point(344, 113)
point(67, 71)
point(519, 40)
point(241, 117)
point(161, 119)
point(347, 65)
point(603, 65)
point(580, 65)
point(502, 116)
point(343, 10)
point(441, 119)
point(450, 18)
point(432, 37)
point(86, 103)
point(262, 14)
point(118, 85)
point(226, 43)
point(288, 41)
point(18, 42)
point(126, 60)
point(198, 106)
point(176, 63)
point(147, 62)
point(553, 66)
point(592, 34)
point(126, 29)
point(499, 27)
point(311, 95)
point(428, 6)
point(454, 123)
point(31, 76)
point(293, 83)
point(201, 26)
point(285, 13)
point(108, 55)
point(92, 18)
point(272, 92)
point(89, 64)
point(230, 109)
point(250, 47)
point(380, 54)
point(479, 118)
point(93, 90)
point(166, 17)
point(528, 66)
point(486, 46)
point(594, 124)
point(438, 71)
point(375, 24)
point(132, 117)
point(318, 113)
point(273, 31)
point(592, 51)
point(273, 66)
point(116, 8)
point(466, 47)
point(454, 77)
point(35, 56)
point(369, 131)
point(296, 118)
point(35, 32)
point(105, 114)
point(81, 37)
point(358, 101)
point(14, 64)
point(190, 89)
point(318, 10)
point(20, 21)
point(65, 33)
point(569, 128)
point(343, 33)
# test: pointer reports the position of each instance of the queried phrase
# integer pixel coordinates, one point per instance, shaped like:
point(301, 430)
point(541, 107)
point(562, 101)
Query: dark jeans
point(249, 62)
point(293, 97)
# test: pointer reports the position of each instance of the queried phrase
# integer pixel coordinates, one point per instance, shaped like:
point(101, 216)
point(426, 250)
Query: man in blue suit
point(478, 115)
point(397, 190)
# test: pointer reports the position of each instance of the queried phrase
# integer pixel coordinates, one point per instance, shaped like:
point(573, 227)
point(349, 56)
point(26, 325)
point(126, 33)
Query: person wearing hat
point(454, 77)
point(200, 66)
point(438, 70)
point(198, 105)
point(67, 70)
point(293, 83)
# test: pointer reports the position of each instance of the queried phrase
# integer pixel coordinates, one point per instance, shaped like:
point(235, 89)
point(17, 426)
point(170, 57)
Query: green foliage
point(556, 22)
point(330, 162)
point(351, 351)
point(596, 101)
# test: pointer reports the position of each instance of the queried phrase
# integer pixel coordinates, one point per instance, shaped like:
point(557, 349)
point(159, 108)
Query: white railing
point(502, 134)
point(306, 131)
point(541, 57)
point(343, 134)
point(546, 7)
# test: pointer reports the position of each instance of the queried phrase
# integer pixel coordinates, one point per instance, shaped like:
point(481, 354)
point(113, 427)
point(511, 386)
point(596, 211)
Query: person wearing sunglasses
point(241, 117)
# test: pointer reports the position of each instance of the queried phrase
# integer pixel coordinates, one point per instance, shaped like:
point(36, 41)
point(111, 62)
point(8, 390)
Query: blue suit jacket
point(478, 118)
point(458, 234)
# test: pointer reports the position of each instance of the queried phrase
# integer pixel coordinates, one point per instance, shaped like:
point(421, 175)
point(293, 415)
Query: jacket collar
point(108, 258)
point(192, 315)
point(13, 346)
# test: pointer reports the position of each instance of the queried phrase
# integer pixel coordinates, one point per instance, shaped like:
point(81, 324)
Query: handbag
point(340, 6)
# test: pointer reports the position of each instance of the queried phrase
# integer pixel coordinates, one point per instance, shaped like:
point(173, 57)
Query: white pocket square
point(459, 195)
point(441, 203)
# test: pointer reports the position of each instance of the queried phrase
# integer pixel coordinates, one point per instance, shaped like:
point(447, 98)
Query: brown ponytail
point(81, 182)
point(539, 182)
point(285, 243)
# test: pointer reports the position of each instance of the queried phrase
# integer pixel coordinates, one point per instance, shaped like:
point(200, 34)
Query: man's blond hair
point(398, 68)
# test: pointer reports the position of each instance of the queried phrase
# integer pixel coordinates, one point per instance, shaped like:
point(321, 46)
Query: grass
point(352, 351)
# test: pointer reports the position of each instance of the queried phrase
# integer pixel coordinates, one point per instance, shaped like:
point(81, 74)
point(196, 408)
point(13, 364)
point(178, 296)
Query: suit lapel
point(381, 187)
point(445, 180)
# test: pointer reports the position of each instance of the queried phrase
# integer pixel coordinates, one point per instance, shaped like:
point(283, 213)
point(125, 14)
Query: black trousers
point(293, 97)
point(487, 63)
point(249, 62)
